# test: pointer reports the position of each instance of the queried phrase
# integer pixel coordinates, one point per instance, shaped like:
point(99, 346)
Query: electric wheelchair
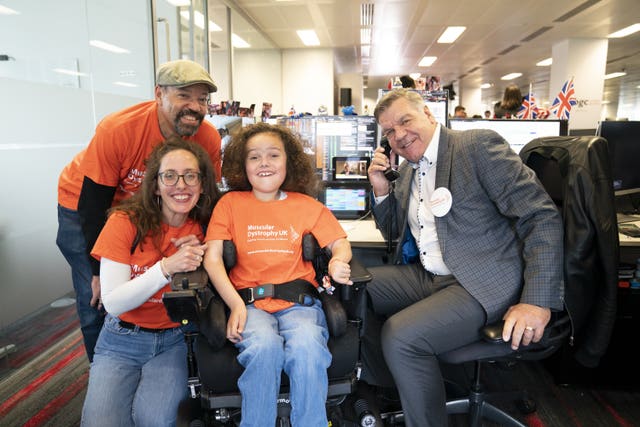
point(212, 360)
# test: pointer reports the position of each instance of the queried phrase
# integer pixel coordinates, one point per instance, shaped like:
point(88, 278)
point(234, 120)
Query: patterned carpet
point(44, 372)
point(43, 377)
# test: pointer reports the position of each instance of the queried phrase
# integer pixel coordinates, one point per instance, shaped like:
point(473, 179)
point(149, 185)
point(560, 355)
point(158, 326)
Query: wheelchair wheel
point(190, 414)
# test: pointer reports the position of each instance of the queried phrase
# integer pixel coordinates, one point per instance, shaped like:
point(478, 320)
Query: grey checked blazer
point(502, 238)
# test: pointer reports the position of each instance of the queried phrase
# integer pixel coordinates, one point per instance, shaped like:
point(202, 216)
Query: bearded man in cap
point(111, 169)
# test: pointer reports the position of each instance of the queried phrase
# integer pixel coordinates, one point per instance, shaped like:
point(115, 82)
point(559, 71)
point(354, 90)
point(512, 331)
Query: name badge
point(440, 201)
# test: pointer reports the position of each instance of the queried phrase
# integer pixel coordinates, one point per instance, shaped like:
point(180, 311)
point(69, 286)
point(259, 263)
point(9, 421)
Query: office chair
point(212, 360)
point(575, 171)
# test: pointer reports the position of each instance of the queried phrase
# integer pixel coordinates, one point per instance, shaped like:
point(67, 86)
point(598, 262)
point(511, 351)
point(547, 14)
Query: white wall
point(258, 78)
point(307, 80)
point(48, 117)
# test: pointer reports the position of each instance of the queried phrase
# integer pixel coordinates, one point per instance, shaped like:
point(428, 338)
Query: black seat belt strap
point(293, 291)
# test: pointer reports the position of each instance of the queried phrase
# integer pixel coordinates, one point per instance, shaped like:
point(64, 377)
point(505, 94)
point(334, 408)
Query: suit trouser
point(425, 315)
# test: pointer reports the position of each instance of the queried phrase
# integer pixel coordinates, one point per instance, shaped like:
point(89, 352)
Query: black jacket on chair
point(564, 165)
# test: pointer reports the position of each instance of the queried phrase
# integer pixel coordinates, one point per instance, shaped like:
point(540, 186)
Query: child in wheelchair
point(276, 319)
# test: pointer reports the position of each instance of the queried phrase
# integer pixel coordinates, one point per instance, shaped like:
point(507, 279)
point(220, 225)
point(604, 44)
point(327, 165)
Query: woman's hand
point(188, 258)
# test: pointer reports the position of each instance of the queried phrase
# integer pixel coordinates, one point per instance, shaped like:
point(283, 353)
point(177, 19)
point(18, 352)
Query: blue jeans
point(136, 378)
point(71, 242)
point(293, 340)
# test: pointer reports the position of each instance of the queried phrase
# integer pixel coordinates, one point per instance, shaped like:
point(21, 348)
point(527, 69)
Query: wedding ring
point(528, 328)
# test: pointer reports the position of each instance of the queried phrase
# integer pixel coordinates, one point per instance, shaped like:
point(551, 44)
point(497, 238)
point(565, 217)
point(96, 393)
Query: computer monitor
point(624, 152)
point(347, 200)
point(326, 137)
point(517, 132)
point(343, 136)
point(304, 127)
point(350, 168)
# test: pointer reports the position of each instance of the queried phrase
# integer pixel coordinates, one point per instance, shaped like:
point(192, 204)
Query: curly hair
point(145, 210)
point(301, 175)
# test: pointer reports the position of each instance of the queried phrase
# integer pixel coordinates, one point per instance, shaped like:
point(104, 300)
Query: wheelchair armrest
point(334, 307)
point(359, 273)
point(196, 279)
point(192, 299)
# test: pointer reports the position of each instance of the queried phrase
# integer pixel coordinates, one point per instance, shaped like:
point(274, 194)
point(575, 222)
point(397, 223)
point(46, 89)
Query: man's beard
point(187, 130)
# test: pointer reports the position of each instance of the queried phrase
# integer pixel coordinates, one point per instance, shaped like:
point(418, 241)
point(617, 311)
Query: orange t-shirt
point(115, 243)
point(268, 238)
point(116, 154)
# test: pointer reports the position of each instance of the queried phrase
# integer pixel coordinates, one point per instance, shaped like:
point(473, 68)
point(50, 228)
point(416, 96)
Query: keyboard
point(622, 218)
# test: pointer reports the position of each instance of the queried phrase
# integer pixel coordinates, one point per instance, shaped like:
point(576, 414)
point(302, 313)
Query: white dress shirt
point(421, 220)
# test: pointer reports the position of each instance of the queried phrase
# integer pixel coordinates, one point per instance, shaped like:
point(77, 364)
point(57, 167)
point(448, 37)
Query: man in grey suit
point(479, 240)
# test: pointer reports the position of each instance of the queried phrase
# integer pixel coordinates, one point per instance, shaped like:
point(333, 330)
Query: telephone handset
point(391, 173)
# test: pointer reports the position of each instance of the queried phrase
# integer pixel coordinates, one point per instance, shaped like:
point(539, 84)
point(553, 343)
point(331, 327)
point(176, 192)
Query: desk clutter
point(629, 275)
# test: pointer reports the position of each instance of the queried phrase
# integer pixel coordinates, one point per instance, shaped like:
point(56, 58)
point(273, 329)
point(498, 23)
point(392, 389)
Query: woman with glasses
point(139, 372)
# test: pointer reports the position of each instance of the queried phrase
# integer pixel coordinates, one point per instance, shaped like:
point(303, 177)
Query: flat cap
point(184, 72)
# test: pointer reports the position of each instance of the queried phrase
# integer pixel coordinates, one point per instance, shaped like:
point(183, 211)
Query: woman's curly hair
point(144, 208)
point(301, 174)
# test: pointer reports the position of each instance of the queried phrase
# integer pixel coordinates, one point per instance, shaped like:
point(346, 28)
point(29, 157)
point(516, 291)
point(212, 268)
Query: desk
point(363, 233)
point(628, 240)
point(366, 241)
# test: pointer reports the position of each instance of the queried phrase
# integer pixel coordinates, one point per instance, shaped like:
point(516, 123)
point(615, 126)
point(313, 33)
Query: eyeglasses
point(171, 178)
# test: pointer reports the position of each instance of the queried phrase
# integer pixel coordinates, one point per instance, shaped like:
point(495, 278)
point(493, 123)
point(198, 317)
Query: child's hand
point(236, 322)
point(340, 271)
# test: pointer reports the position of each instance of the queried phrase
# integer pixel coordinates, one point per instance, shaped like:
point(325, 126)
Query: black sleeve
point(93, 203)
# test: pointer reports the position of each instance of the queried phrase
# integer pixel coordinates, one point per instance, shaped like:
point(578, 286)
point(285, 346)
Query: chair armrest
point(556, 331)
point(493, 332)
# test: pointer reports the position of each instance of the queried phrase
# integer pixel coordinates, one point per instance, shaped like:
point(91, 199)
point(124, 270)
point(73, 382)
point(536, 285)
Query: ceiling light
point(108, 46)
point(125, 84)
point(238, 42)
point(427, 61)
point(308, 37)
point(625, 31)
point(68, 72)
point(510, 76)
point(198, 20)
point(545, 62)
point(178, 3)
point(485, 85)
point(614, 75)
point(6, 11)
point(451, 34)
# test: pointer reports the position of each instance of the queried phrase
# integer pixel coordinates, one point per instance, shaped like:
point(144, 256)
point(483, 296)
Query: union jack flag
point(561, 106)
point(528, 109)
